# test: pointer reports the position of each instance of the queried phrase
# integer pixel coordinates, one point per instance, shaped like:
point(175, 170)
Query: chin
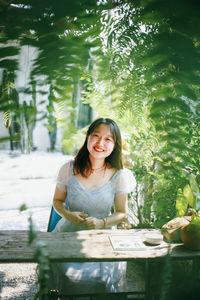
point(98, 155)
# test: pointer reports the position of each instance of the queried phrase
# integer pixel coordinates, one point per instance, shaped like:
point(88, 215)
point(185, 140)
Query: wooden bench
point(87, 246)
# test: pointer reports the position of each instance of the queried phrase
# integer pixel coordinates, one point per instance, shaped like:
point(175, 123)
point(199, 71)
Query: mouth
point(98, 149)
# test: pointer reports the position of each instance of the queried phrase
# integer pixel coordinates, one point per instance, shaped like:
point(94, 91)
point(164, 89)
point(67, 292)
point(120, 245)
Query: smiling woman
point(91, 185)
point(100, 141)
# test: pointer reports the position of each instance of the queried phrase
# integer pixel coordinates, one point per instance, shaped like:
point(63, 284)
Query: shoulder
point(66, 169)
point(124, 181)
point(124, 173)
point(68, 164)
point(64, 175)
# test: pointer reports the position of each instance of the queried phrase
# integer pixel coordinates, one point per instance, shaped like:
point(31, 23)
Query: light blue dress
point(96, 202)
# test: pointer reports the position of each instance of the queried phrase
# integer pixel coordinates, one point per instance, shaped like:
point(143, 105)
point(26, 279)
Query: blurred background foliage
point(137, 62)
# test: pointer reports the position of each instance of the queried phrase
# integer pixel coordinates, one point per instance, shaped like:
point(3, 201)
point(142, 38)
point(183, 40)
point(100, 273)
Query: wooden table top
point(86, 245)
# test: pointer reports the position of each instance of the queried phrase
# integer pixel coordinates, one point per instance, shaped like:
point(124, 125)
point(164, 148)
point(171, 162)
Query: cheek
point(111, 147)
point(90, 142)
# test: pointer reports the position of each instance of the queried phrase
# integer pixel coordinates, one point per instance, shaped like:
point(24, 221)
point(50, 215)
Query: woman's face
point(100, 142)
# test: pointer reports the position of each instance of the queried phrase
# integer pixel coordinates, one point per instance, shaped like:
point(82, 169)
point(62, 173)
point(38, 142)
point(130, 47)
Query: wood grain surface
point(87, 245)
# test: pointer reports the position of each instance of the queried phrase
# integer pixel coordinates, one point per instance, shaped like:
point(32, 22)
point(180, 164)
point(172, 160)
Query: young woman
point(91, 184)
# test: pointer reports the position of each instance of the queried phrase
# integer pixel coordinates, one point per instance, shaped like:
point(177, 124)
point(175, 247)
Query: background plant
point(137, 62)
point(151, 65)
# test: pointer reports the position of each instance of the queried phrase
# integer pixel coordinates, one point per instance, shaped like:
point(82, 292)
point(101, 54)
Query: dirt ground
point(18, 281)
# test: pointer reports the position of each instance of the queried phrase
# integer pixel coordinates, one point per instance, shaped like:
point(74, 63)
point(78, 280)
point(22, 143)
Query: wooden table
point(82, 246)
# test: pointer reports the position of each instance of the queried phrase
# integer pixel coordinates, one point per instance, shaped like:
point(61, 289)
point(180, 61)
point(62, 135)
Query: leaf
point(197, 204)
point(184, 90)
point(188, 194)
point(181, 204)
point(8, 51)
point(170, 102)
point(151, 173)
point(4, 139)
point(23, 207)
point(32, 234)
point(193, 183)
point(162, 92)
point(9, 64)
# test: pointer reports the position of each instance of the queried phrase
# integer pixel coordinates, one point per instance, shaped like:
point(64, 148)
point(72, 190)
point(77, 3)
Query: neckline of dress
point(91, 189)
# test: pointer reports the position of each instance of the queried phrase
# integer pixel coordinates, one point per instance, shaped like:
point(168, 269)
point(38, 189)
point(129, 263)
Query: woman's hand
point(77, 218)
point(93, 223)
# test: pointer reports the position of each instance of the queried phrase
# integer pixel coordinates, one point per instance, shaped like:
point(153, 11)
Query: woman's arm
point(75, 217)
point(59, 202)
point(120, 211)
point(114, 219)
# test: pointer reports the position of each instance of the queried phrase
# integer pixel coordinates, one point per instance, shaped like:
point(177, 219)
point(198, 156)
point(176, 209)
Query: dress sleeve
point(63, 177)
point(124, 182)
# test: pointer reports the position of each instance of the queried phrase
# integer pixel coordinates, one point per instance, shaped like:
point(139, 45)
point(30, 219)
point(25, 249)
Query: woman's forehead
point(104, 129)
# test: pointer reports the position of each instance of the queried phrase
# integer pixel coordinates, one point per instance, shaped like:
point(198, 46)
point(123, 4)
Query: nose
point(100, 142)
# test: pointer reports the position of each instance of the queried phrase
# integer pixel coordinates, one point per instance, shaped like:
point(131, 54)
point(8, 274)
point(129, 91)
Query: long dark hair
point(82, 164)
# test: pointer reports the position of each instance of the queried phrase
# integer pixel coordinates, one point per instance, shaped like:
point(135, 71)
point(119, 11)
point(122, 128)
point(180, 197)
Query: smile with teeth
point(98, 149)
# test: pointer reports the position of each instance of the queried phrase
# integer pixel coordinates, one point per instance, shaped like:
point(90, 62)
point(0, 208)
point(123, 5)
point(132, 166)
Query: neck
point(97, 163)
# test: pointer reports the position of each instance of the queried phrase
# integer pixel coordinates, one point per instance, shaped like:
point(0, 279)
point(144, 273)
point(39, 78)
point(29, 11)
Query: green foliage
point(42, 257)
point(175, 75)
point(32, 232)
point(161, 69)
point(188, 194)
point(181, 203)
point(136, 62)
point(23, 207)
point(73, 139)
point(189, 198)
point(62, 33)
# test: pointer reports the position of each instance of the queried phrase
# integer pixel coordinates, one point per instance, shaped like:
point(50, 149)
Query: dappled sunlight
point(36, 165)
point(28, 179)
point(65, 63)
point(18, 281)
point(13, 219)
point(15, 291)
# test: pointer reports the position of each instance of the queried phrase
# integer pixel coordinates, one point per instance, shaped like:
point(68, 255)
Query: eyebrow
point(110, 135)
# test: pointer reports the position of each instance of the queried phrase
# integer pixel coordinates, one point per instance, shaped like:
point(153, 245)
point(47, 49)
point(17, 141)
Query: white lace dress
point(90, 277)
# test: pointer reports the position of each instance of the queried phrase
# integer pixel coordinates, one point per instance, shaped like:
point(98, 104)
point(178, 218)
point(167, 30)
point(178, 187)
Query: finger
point(89, 218)
point(83, 215)
point(81, 220)
point(89, 222)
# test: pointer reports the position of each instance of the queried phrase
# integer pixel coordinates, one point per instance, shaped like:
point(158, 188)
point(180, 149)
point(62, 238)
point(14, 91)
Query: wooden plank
point(92, 245)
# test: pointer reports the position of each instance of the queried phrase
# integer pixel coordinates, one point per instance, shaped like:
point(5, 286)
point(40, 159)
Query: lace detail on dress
point(125, 182)
point(64, 176)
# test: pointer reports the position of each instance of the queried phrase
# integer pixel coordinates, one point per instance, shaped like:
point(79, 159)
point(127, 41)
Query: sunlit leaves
point(63, 34)
point(138, 61)
point(188, 194)
point(181, 203)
